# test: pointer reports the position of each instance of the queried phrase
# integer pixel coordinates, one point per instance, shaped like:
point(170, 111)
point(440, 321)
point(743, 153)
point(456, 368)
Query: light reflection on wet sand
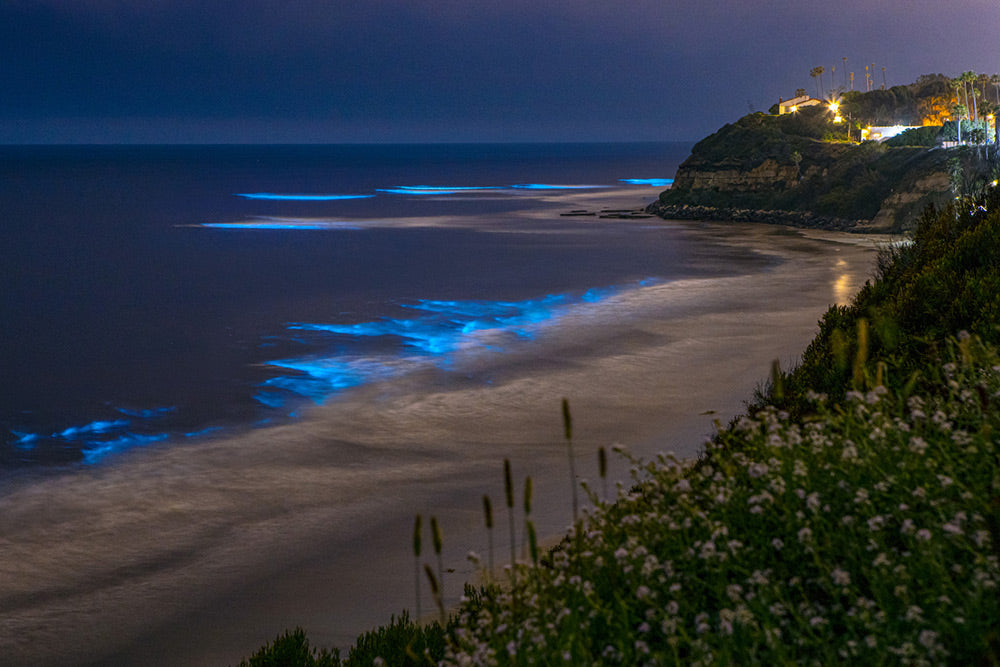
point(198, 553)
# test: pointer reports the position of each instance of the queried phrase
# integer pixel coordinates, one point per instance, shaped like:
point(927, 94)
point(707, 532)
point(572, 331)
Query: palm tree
point(960, 111)
point(970, 76)
point(818, 72)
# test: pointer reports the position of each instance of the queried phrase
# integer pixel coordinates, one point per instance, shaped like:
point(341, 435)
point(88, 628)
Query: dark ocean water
point(154, 294)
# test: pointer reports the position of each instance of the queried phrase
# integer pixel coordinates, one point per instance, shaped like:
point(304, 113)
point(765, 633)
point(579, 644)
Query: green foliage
point(402, 642)
point(291, 649)
point(947, 280)
point(847, 181)
point(918, 136)
point(866, 535)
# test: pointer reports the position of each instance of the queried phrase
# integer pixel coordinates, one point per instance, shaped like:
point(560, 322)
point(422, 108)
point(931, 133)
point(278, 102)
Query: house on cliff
point(796, 103)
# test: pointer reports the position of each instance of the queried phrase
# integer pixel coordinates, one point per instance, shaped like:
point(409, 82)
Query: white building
point(883, 132)
point(796, 103)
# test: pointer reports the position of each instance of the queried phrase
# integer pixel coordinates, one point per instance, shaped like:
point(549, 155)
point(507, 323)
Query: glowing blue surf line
point(546, 186)
point(446, 327)
point(655, 182)
point(294, 197)
point(102, 437)
point(294, 225)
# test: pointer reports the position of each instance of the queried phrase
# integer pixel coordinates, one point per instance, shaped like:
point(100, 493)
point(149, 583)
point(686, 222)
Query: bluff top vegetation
point(809, 163)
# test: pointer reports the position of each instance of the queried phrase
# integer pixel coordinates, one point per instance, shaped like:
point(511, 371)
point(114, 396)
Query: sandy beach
point(196, 554)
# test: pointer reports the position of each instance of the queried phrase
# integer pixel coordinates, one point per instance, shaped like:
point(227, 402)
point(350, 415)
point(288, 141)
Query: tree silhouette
point(818, 72)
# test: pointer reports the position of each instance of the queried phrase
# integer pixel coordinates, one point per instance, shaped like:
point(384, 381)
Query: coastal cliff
point(796, 170)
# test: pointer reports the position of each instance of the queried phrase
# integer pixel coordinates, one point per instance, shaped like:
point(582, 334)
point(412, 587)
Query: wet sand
point(196, 554)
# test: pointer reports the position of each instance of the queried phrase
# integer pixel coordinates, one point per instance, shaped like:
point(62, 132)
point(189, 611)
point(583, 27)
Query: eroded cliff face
point(907, 203)
point(834, 185)
point(768, 175)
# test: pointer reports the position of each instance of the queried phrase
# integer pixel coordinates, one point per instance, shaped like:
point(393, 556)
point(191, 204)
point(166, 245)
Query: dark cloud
point(314, 70)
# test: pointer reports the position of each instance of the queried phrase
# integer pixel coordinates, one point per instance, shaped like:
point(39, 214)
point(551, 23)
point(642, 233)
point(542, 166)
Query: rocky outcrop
point(803, 219)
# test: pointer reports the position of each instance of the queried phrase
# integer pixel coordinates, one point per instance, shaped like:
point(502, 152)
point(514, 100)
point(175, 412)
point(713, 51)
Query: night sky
point(331, 71)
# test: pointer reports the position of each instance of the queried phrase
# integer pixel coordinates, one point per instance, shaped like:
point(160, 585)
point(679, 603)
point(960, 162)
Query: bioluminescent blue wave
point(150, 413)
point(293, 197)
point(405, 191)
point(444, 328)
point(318, 378)
point(93, 427)
point(295, 225)
point(441, 188)
point(99, 438)
point(98, 450)
point(546, 186)
point(655, 182)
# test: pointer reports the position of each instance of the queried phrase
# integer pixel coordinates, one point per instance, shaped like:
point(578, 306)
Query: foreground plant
point(868, 534)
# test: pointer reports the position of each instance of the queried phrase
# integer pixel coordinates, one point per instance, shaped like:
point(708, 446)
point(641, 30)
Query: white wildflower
point(812, 501)
point(952, 528)
point(876, 523)
point(840, 577)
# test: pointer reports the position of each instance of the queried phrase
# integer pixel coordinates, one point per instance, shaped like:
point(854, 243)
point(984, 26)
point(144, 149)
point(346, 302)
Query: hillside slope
point(792, 169)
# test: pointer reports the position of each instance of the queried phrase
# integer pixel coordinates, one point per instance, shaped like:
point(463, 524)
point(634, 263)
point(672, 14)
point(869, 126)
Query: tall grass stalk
point(568, 432)
point(488, 515)
point(527, 511)
point(508, 487)
point(436, 592)
point(436, 536)
point(416, 560)
point(602, 470)
point(861, 359)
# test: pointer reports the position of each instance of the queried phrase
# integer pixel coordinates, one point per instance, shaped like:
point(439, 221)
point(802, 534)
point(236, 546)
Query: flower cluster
point(866, 534)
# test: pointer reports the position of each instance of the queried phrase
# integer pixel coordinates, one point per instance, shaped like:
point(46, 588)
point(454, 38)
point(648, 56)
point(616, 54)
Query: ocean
point(159, 293)
point(231, 375)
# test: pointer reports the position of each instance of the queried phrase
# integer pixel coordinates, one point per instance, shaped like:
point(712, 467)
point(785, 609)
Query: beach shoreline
point(229, 541)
